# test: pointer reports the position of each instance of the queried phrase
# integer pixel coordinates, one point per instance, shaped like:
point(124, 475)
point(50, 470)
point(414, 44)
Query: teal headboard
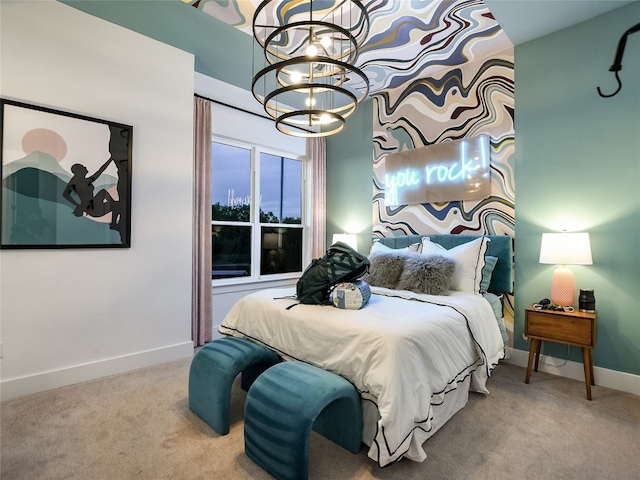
point(500, 246)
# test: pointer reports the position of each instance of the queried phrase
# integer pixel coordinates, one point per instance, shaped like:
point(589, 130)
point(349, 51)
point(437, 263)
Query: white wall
point(77, 314)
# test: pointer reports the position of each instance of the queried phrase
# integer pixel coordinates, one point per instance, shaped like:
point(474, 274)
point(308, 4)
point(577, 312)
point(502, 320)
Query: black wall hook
point(617, 61)
point(618, 89)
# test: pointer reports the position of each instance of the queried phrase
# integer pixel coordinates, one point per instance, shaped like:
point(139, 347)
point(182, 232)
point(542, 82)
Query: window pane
point(231, 251)
point(281, 250)
point(230, 183)
point(280, 190)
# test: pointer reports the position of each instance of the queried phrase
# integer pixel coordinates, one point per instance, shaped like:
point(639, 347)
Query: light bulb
point(325, 41)
point(325, 118)
point(312, 50)
point(296, 76)
point(310, 102)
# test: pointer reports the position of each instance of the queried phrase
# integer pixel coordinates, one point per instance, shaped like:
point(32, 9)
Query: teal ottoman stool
point(213, 370)
point(285, 403)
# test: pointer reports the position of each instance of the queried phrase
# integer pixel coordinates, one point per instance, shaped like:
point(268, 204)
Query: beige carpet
point(138, 426)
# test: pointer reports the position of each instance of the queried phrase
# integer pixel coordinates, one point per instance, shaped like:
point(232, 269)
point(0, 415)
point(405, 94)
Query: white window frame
point(255, 224)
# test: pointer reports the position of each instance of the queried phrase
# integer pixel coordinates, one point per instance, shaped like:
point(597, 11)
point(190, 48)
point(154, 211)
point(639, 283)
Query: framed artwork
point(66, 179)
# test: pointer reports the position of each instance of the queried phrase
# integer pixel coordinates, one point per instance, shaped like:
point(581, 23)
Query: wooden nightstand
point(571, 328)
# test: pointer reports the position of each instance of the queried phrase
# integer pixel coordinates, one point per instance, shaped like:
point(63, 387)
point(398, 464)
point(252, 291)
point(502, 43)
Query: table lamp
point(564, 249)
point(349, 238)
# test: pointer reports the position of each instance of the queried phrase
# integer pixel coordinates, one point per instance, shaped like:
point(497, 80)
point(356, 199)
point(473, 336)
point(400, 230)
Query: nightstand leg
point(586, 360)
point(532, 352)
point(538, 345)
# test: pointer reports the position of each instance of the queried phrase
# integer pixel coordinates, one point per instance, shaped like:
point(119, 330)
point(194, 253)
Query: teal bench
point(213, 371)
point(285, 403)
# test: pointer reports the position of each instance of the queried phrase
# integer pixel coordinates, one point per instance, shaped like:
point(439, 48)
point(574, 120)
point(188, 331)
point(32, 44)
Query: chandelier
point(306, 76)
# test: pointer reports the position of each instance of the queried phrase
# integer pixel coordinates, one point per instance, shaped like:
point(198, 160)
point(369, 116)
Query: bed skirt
point(455, 400)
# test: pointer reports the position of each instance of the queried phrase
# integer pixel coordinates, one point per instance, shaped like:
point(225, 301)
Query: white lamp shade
point(349, 238)
point(565, 249)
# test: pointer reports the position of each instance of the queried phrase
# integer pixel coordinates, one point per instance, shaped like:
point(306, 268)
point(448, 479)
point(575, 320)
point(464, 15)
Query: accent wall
point(458, 94)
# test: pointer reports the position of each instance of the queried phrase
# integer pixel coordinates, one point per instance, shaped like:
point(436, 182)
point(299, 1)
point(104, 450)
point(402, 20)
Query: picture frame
point(66, 179)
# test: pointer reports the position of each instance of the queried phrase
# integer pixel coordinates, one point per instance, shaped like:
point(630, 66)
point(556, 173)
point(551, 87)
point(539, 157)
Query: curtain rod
point(265, 117)
point(233, 106)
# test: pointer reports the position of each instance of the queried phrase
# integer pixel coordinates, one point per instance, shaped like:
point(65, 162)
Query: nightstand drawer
point(569, 329)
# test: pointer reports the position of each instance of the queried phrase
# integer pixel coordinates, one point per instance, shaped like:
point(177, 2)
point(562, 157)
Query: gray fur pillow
point(385, 269)
point(430, 274)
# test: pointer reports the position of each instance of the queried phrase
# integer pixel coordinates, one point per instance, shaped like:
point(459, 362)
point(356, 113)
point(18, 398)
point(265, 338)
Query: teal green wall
point(578, 168)
point(350, 177)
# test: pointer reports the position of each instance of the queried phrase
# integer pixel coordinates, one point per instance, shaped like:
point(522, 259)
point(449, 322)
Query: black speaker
point(587, 301)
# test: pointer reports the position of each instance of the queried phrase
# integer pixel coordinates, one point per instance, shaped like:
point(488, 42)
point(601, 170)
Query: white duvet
point(403, 351)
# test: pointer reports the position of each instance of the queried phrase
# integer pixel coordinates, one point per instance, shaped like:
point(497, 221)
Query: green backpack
point(340, 264)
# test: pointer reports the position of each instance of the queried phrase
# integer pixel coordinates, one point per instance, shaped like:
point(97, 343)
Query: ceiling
point(408, 38)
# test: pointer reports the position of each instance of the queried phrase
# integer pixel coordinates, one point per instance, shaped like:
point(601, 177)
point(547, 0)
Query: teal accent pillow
point(496, 304)
point(489, 264)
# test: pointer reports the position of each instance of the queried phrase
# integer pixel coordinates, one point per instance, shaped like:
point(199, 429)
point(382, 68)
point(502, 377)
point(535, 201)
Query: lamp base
point(563, 287)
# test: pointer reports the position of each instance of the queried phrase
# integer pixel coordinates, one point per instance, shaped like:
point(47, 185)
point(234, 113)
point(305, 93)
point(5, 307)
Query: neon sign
point(445, 172)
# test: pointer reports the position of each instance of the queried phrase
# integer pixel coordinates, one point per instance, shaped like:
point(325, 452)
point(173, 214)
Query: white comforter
point(403, 351)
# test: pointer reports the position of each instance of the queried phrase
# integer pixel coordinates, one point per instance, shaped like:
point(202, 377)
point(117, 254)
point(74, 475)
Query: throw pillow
point(378, 247)
point(384, 269)
point(430, 274)
point(489, 265)
point(469, 258)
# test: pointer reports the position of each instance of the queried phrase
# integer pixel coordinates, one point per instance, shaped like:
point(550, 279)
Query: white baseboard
point(17, 387)
point(603, 377)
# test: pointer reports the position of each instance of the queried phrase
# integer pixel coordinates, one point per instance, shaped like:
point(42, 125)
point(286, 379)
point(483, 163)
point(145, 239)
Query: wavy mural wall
point(439, 70)
point(456, 87)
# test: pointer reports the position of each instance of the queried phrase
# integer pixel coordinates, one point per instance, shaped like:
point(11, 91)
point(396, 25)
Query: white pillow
point(469, 258)
point(379, 247)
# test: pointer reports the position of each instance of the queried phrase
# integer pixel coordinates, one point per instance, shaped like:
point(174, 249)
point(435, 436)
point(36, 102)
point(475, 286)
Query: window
point(257, 210)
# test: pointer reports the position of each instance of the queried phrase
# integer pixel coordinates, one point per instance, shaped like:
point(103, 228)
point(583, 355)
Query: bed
point(412, 356)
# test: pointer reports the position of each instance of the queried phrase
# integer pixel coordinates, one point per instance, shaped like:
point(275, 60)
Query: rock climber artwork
point(66, 179)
